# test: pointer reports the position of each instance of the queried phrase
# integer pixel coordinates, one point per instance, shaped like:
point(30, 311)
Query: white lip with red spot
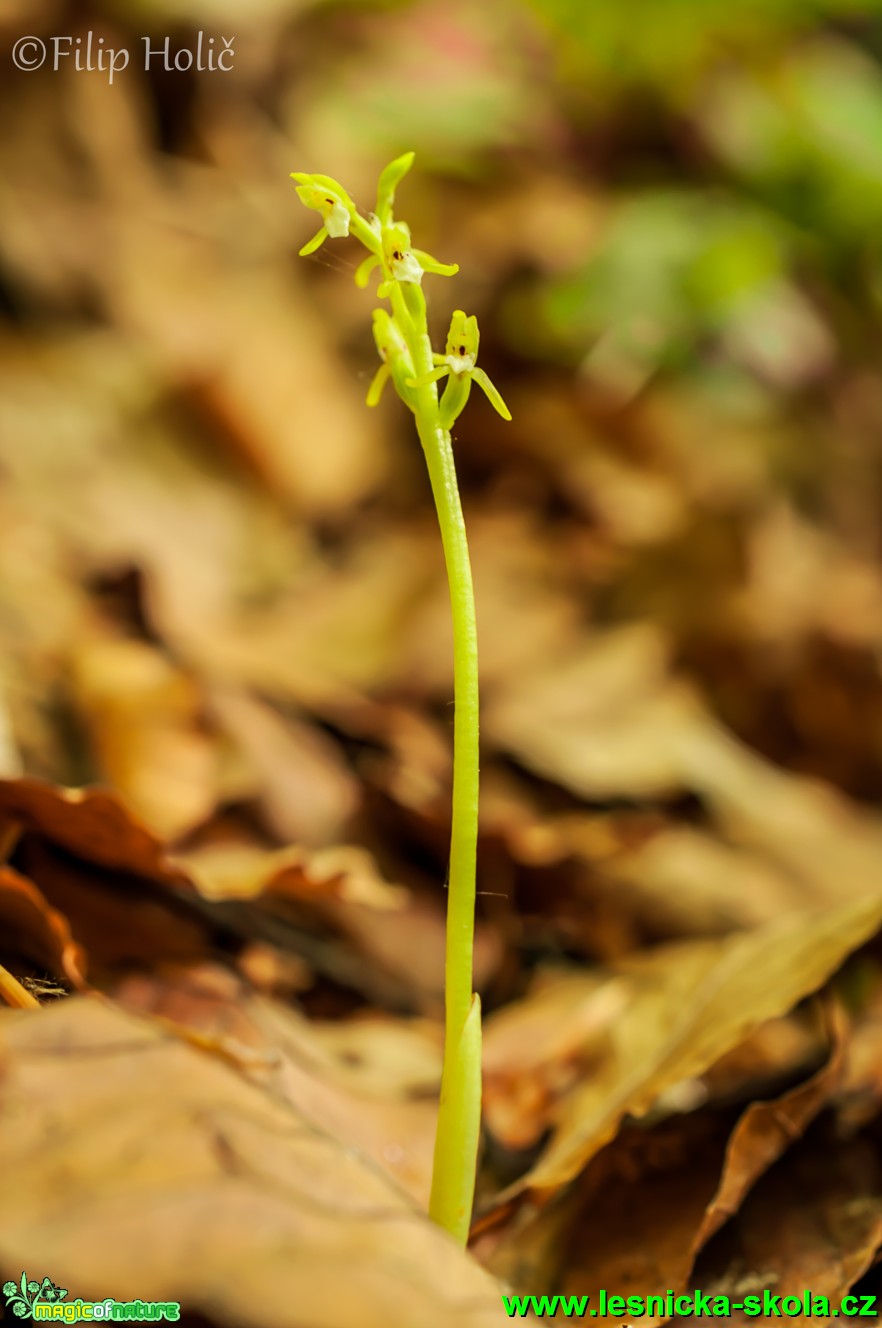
point(407, 268)
point(336, 219)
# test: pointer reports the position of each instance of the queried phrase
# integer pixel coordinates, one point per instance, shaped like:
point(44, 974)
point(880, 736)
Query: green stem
point(456, 1141)
point(464, 829)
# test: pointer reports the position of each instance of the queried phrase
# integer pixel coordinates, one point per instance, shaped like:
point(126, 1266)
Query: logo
point(44, 1300)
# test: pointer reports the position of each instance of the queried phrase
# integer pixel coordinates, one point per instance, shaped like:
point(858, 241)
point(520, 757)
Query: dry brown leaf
point(635, 504)
point(767, 1130)
point(90, 823)
point(384, 1056)
point(653, 1201)
point(31, 928)
point(608, 722)
point(41, 610)
point(625, 1224)
point(861, 1091)
point(238, 869)
point(259, 358)
point(168, 1176)
point(691, 1004)
point(661, 878)
point(10, 757)
point(672, 880)
point(117, 916)
point(802, 580)
point(685, 881)
point(653, 1197)
point(122, 917)
point(305, 789)
point(777, 1053)
point(538, 1048)
point(335, 634)
point(645, 1201)
point(417, 771)
point(108, 890)
point(174, 259)
point(814, 1221)
point(602, 720)
point(829, 844)
point(279, 1048)
point(143, 716)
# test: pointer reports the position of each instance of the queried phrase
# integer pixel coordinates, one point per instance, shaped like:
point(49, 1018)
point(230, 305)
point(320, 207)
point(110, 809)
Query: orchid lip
point(337, 221)
point(407, 268)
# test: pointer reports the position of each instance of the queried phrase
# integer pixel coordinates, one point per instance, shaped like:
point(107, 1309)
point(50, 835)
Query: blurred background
point(221, 590)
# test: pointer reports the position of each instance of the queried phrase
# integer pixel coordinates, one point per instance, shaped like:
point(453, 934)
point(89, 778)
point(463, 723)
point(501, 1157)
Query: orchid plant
point(407, 359)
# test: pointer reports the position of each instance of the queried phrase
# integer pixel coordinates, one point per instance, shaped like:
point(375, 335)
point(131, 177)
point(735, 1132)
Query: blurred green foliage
point(738, 150)
point(661, 42)
point(674, 266)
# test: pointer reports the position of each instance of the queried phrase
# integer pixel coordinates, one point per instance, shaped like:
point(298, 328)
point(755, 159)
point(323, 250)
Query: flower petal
point(378, 382)
point(430, 264)
point(364, 270)
point(315, 243)
point(492, 395)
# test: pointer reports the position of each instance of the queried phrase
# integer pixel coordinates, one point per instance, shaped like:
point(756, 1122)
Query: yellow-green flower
point(458, 364)
point(330, 199)
point(400, 261)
